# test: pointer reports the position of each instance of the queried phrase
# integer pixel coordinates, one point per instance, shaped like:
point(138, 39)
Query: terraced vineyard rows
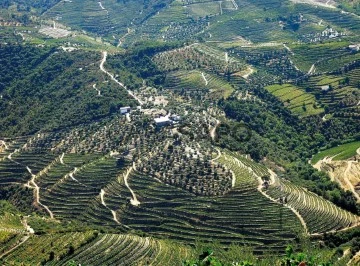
point(235, 217)
point(319, 54)
point(297, 100)
point(195, 81)
point(341, 99)
point(38, 247)
point(319, 214)
point(77, 190)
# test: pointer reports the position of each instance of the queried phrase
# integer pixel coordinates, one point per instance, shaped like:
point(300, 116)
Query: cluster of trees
point(20, 197)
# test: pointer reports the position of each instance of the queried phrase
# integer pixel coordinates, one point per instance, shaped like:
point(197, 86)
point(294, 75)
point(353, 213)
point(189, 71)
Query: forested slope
point(50, 89)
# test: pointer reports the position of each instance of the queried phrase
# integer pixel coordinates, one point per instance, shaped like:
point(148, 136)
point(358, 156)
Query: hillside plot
point(297, 100)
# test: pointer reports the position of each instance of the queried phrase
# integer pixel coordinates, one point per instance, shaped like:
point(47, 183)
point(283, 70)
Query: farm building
point(125, 110)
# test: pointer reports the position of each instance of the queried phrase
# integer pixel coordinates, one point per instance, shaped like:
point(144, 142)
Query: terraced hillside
point(316, 214)
point(92, 248)
point(102, 16)
point(93, 190)
point(297, 100)
point(190, 82)
point(322, 57)
point(336, 94)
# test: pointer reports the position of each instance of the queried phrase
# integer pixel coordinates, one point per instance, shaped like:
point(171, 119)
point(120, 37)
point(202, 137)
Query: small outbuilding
point(125, 110)
point(354, 47)
point(325, 88)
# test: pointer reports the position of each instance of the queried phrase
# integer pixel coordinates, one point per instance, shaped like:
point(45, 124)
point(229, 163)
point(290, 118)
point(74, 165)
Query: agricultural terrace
point(307, 206)
point(198, 56)
point(341, 152)
point(319, 215)
point(335, 93)
point(320, 55)
point(195, 82)
point(297, 100)
point(92, 248)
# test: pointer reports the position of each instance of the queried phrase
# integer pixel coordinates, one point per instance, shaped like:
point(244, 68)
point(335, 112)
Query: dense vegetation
point(50, 89)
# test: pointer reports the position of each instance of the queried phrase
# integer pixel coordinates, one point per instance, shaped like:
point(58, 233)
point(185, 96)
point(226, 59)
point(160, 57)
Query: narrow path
point(115, 218)
point(3, 143)
point(204, 78)
point(134, 201)
point(28, 228)
point(23, 240)
point(218, 156)
point(123, 37)
point(288, 48)
point(37, 191)
point(213, 130)
point(71, 175)
point(302, 221)
point(62, 158)
point(113, 213)
point(101, 6)
point(102, 193)
point(235, 4)
point(103, 61)
point(273, 176)
point(98, 91)
point(127, 115)
point(324, 118)
point(312, 69)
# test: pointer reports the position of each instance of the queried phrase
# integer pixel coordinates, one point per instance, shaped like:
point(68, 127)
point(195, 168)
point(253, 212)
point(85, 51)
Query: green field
point(297, 100)
point(341, 152)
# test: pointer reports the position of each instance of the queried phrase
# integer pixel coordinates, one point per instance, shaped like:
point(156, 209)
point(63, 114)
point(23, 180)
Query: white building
point(125, 110)
point(354, 47)
point(162, 121)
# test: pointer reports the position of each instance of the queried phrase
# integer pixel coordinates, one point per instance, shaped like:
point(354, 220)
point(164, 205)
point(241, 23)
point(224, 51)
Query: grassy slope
point(342, 152)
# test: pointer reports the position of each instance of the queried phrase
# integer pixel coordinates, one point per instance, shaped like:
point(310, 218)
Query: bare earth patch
point(344, 172)
point(324, 3)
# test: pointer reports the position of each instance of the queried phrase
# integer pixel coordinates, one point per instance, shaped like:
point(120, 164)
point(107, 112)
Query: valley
point(162, 131)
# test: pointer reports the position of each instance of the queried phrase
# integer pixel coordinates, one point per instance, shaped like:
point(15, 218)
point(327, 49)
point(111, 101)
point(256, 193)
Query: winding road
point(103, 61)
point(134, 201)
point(37, 191)
point(204, 78)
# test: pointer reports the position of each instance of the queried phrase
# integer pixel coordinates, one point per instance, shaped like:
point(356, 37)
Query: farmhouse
point(125, 110)
point(162, 121)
